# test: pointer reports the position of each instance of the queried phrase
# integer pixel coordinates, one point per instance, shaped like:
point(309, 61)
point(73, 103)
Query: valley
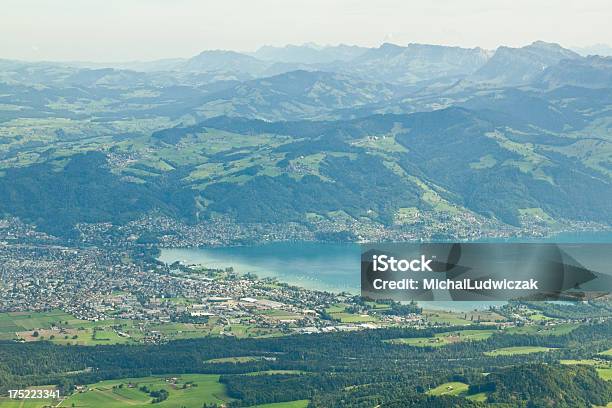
point(183, 232)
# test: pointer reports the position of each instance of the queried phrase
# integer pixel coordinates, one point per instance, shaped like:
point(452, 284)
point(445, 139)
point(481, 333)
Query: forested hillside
point(515, 140)
point(359, 369)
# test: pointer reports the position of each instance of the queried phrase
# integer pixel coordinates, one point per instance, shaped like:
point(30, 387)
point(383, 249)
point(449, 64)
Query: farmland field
point(38, 403)
point(338, 312)
point(62, 328)
point(605, 373)
point(446, 338)
point(552, 330)
point(604, 368)
point(187, 390)
point(449, 388)
point(511, 351)
point(289, 404)
point(462, 318)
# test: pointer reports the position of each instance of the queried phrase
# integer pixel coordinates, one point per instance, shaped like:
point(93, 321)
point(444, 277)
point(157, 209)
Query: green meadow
point(605, 373)
point(446, 338)
point(339, 313)
point(34, 403)
point(511, 351)
point(458, 389)
point(185, 390)
point(604, 368)
point(552, 330)
point(188, 390)
point(462, 318)
point(449, 388)
point(289, 404)
point(62, 328)
point(19, 321)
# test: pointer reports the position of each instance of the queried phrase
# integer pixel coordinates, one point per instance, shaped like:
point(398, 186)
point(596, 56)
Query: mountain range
point(399, 136)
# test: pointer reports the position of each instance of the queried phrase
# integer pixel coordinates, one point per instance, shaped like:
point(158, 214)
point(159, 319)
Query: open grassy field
point(186, 390)
point(33, 403)
point(462, 318)
point(120, 393)
point(605, 373)
point(54, 325)
point(446, 338)
point(276, 314)
point(378, 306)
point(248, 330)
point(419, 341)
point(271, 372)
point(8, 336)
point(538, 317)
point(338, 308)
point(353, 318)
point(552, 330)
point(480, 397)
point(604, 368)
point(289, 404)
point(20, 321)
point(244, 359)
point(84, 336)
point(6, 402)
point(199, 389)
point(449, 318)
point(510, 351)
point(449, 388)
point(457, 389)
point(580, 362)
point(62, 328)
point(338, 312)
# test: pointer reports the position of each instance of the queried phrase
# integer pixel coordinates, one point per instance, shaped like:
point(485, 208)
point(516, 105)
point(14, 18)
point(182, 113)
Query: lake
point(332, 267)
point(321, 266)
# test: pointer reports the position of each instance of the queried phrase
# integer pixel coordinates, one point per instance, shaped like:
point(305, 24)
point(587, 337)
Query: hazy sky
point(119, 30)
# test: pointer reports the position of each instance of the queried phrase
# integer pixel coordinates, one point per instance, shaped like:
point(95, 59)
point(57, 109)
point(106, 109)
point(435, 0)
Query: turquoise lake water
point(331, 267)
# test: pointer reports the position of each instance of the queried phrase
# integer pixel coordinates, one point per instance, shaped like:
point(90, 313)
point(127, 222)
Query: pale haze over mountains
point(389, 62)
point(119, 30)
